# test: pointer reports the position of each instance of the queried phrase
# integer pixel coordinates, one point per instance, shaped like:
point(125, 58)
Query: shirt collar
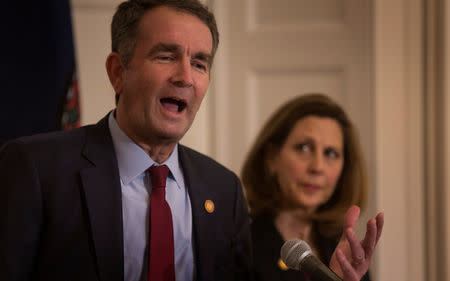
point(133, 160)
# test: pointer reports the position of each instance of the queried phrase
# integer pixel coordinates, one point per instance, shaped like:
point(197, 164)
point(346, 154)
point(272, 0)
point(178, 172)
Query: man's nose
point(183, 74)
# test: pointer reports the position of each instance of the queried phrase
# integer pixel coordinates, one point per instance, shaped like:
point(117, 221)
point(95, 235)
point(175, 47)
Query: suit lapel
point(202, 220)
point(102, 191)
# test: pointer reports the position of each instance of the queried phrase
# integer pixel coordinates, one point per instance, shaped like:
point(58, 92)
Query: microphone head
point(293, 252)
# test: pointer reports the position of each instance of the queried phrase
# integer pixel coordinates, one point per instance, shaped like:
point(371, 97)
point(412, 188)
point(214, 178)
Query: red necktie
point(161, 250)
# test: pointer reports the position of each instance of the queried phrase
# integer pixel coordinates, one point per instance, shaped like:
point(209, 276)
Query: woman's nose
point(317, 162)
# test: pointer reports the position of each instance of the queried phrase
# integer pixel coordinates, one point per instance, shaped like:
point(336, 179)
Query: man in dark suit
point(75, 205)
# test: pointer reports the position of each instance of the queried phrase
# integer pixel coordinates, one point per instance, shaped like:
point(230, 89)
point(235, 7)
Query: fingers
point(380, 222)
point(369, 241)
point(358, 252)
point(373, 233)
point(362, 250)
point(359, 256)
point(348, 271)
point(351, 217)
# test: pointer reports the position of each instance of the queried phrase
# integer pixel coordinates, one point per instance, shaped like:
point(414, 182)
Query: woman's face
point(309, 163)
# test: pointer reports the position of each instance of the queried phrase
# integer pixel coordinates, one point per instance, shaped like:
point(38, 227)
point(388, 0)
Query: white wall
point(91, 20)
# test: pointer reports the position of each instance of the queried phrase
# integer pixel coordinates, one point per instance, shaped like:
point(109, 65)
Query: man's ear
point(115, 69)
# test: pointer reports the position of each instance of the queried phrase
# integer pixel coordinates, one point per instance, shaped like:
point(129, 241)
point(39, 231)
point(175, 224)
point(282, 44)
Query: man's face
point(164, 84)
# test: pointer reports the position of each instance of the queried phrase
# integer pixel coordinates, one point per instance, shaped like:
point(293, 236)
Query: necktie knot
point(158, 175)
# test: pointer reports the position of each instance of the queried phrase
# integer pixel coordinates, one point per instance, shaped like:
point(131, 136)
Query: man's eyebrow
point(173, 48)
point(203, 57)
point(163, 47)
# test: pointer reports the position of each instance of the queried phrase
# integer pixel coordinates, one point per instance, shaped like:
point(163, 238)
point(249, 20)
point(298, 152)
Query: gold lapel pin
point(282, 265)
point(209, 206)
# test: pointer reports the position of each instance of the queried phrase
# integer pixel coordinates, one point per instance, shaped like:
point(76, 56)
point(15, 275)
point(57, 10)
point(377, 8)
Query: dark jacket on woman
point(267, 243)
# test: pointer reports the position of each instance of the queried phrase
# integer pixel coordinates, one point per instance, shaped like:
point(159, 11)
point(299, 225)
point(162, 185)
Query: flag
point(70, 117)
point(37, 69)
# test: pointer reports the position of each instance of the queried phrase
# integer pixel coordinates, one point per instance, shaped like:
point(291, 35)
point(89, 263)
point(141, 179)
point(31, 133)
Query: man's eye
point(199, 65)
point(165, 58)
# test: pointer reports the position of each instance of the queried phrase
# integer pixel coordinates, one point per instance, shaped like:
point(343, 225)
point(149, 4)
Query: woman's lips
point(310, 187)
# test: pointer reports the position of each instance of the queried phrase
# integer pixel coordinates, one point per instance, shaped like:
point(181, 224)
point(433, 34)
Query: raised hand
point(352, 257)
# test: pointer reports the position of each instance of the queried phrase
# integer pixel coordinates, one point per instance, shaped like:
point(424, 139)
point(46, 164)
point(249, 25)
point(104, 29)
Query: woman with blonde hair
point(302, 174)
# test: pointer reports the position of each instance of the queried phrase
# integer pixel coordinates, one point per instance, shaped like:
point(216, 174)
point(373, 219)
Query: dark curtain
point(37, 67)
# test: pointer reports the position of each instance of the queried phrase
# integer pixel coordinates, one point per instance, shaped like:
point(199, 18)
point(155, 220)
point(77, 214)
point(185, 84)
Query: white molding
point(432, 135)
point(399, 148)
point(95, 4)
point(438, 136)
point(415, 167)
point(446, 95)
point(219, 88)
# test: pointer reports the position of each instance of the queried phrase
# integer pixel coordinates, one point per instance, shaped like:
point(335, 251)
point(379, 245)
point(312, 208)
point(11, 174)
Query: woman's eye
point(303, 147)
point(331, 153)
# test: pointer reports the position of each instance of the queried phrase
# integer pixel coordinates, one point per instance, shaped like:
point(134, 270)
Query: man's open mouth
point(174, 105)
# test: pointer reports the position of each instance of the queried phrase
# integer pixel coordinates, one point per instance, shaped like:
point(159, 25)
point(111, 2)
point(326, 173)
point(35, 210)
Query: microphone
point(297, 254)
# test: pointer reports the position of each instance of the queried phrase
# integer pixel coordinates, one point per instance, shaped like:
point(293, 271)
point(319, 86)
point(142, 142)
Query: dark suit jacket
point(61, 210)
point(267, 243)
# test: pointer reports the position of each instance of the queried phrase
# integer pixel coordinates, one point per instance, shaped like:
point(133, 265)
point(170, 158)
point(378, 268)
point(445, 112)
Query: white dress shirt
point(136, 188)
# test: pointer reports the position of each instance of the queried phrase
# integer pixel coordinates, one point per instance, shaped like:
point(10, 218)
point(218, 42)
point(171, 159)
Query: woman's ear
point(115, 69)
point(271, 157)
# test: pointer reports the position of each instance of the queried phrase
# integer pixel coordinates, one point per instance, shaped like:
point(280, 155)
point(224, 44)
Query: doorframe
point(399, 84)
point(446, 187)
point(437, 89)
